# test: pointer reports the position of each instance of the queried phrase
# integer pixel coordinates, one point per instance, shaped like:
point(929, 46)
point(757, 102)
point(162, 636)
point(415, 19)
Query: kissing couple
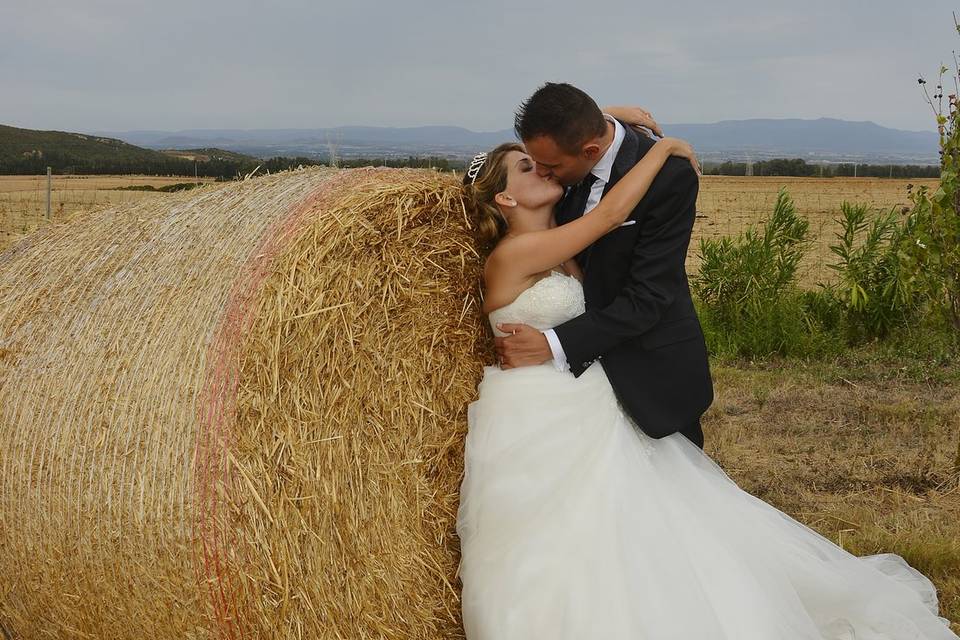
point(588, 508)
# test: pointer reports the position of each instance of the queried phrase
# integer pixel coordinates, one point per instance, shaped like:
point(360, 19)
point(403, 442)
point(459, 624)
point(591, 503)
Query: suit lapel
point(633, 147)
point(627, 156)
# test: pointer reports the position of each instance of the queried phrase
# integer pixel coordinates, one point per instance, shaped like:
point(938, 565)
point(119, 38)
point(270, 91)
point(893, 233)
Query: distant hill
point(25, 144)
point(26, 151)
point(229, 152)
point(350, 142)
point(824, 139)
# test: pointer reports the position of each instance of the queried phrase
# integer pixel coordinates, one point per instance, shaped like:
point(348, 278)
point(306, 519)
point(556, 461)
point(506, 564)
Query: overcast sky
point(121, 65)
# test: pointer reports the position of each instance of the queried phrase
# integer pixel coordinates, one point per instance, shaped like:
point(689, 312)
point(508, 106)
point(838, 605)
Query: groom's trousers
point(694, 433)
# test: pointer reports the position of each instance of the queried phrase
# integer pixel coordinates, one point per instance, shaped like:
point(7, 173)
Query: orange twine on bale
point(218, 404)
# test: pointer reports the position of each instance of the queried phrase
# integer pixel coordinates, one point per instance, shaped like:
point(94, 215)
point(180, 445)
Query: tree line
point(798, 167)
point(228, 169)
point(219, 168)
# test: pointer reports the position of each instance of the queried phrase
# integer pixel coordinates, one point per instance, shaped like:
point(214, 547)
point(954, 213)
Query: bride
point(575, 525)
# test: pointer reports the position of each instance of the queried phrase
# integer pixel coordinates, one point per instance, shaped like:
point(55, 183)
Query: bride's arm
point(537, 251)
point(637, 117)
point(569, 265)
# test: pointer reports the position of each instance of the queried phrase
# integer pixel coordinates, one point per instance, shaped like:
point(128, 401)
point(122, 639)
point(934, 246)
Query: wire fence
point(726, 206)
point(23, 199)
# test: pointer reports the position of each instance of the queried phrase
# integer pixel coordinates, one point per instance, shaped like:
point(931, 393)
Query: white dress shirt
point(602, 171)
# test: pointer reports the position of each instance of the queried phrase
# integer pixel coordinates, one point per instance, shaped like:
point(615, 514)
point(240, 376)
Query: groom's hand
point(525, 346)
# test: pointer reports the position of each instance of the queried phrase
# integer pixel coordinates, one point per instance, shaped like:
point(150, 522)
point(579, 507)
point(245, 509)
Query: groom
point(639, 323)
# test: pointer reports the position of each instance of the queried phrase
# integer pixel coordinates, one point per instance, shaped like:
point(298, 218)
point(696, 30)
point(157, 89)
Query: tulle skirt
point(576, 525)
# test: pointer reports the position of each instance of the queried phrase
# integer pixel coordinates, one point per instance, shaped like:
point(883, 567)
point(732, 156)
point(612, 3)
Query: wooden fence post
point(48, 193)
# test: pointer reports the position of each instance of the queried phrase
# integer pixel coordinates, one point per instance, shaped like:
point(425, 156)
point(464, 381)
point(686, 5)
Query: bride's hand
point(637, 117)
point(682, 149)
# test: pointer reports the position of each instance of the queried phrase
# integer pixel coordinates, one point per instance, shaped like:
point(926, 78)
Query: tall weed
point(747, 291)
point(871, 288)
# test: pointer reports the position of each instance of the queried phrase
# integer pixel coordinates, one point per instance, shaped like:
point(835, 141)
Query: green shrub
point(871, 290)
point(823, 309)
point(748, 299)
point(933, 258)
point(785, 328)
point(758, 265)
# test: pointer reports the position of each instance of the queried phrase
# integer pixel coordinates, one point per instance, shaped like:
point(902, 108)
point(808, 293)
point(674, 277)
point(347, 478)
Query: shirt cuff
point(559, 357)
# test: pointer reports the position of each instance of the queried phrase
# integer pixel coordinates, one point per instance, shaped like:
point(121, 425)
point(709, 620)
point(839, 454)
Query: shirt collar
point(605, 165)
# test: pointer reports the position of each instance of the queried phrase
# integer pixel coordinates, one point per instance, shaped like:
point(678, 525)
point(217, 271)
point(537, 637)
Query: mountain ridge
point(30, 151)
point(824, 139)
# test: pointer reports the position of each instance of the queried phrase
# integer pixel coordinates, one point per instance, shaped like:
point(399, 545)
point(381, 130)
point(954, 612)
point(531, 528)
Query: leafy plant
point(746, 287)
point(759, 265)
point(871, 289)
point(933, 257)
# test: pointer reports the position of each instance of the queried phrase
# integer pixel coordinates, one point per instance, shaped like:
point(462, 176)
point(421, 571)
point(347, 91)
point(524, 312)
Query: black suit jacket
point(640, 323)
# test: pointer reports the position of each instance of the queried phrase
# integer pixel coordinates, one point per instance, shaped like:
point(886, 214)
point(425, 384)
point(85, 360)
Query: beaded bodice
point(550, 301)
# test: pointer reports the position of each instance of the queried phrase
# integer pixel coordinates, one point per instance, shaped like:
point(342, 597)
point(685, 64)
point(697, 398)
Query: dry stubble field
point(23, 199)
point(729, 205)
point(862, 452)
point(726, 205)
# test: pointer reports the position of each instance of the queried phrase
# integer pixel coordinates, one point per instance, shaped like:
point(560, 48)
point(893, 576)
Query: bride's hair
point(490, 180)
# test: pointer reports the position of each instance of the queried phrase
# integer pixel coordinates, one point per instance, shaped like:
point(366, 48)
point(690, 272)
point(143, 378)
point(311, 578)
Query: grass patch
point(862, 448)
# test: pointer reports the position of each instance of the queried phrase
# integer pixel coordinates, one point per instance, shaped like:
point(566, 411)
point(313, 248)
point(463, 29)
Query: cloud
point(105, 65)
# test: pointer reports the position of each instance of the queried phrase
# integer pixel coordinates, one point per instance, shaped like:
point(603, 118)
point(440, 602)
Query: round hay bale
point(239, 412)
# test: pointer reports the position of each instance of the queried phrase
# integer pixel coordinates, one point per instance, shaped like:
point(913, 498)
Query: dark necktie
point(574, 204)
point(583, 194)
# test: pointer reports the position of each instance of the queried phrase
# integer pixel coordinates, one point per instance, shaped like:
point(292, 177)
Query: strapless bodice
point(550, 301)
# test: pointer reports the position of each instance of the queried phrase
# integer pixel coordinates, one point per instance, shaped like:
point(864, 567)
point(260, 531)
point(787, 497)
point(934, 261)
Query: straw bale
point(239, 412)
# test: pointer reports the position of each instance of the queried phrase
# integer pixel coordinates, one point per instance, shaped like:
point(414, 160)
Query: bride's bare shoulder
point(493, 285)
point(500, 253)
point(497, 266)
point(501, 284)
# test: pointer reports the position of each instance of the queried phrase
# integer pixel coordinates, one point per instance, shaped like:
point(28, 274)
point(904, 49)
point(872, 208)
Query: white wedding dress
point(575, 525)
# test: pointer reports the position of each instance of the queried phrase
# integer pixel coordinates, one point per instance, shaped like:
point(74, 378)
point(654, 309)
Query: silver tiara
point(475, 165)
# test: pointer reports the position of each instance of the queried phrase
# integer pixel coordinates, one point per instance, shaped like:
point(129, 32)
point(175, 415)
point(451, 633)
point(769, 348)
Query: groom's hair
point(562, 112)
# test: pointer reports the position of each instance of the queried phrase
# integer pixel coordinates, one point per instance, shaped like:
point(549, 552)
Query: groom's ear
point(591, 151)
